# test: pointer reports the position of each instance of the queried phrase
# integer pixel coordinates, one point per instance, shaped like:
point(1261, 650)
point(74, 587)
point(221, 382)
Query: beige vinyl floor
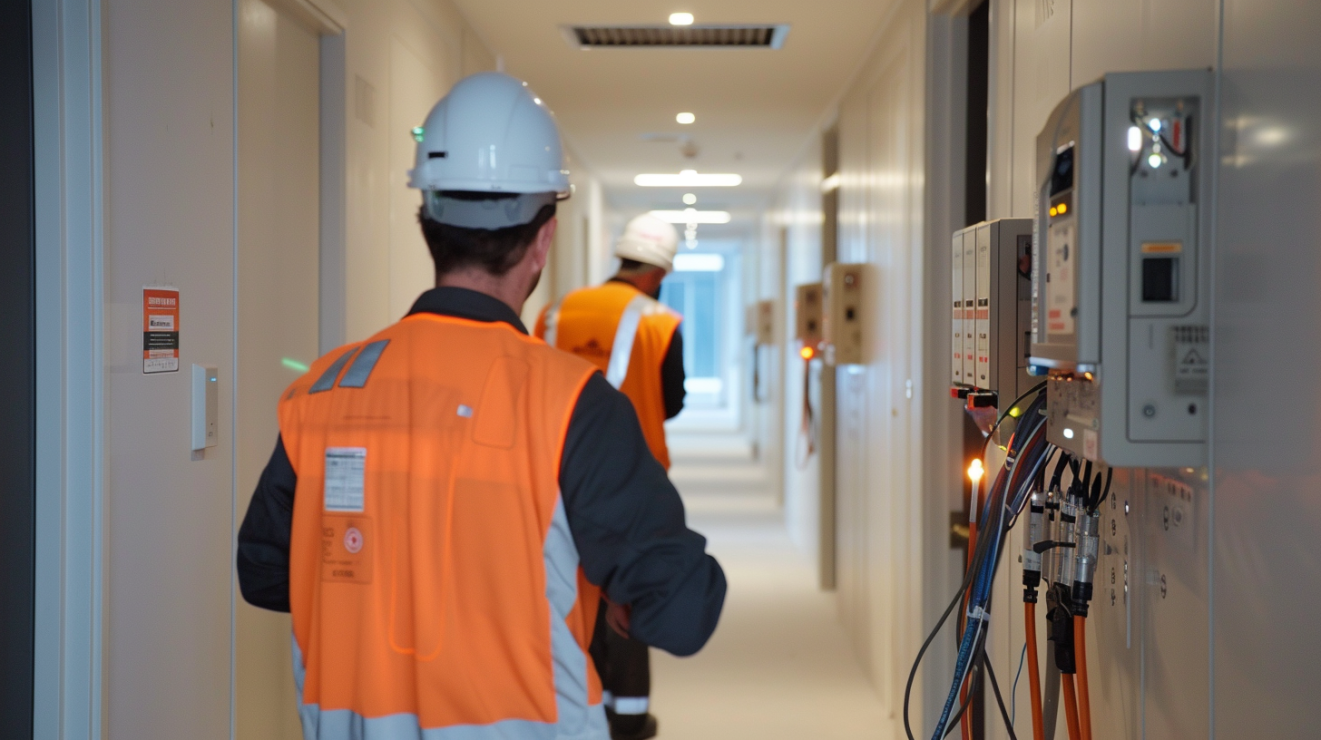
point(779, 667)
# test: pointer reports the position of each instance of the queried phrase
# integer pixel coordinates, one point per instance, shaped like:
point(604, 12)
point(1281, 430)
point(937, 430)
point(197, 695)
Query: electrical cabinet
point(842, 309)
point(1120, 321)
point(807, 312)
point(996, 312)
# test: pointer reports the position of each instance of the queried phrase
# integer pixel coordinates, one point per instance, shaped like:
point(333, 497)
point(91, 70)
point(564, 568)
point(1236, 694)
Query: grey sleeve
point(629, 526)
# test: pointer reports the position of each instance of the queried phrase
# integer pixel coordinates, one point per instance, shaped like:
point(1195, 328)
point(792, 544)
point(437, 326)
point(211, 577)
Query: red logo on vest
point(353, 540)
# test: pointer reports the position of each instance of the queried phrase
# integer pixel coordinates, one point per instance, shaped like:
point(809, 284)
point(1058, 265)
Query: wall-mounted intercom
point(842, 309)
point(205, 407)
point(763, 322)
point(808, 315)
point(1120, 318)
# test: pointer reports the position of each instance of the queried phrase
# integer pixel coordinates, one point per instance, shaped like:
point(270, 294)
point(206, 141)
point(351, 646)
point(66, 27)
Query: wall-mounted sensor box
point(1120, 319)
point(807, 312)
point(763, 322)
point(842, 309)
point(996, 314)
point(206, 407)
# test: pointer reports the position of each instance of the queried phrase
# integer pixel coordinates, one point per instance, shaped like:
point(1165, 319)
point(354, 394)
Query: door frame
point(18, 367)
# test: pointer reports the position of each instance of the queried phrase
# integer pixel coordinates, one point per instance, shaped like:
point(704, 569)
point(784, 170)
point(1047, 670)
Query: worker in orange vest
point(450, 499)
point(634, 339)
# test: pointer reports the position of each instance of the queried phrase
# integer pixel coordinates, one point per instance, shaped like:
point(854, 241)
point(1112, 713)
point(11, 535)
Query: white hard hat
point(493, 143)
point(649, 240)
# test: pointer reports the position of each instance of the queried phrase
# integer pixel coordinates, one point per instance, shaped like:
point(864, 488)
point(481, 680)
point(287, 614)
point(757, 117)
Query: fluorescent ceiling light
point(688, 179)
point(681, 19)
point(692, 216)
point(703, 262)
point(686, 118)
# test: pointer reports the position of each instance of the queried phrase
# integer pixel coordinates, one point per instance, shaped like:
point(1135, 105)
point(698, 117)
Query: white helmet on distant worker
point(649, 240)
point(489, 155)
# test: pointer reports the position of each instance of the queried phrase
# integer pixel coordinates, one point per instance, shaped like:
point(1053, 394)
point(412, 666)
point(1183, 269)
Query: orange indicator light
point(807, 353)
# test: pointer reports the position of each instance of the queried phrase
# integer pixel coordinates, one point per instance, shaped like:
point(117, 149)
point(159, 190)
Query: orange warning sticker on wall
point(160, 330)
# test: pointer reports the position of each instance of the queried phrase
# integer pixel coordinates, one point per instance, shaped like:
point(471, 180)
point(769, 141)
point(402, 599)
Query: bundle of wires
point(1027, 454)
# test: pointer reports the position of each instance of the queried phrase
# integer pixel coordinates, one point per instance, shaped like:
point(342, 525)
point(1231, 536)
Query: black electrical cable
point(995, 687)
point(1105, 494)
point(1014, 405)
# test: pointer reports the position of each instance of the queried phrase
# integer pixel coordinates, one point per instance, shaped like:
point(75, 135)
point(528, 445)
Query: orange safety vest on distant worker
point(626, 333)
point(434, 582)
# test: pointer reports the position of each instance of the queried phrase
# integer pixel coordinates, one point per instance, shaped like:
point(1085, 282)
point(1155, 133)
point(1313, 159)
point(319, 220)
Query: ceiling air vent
point(619, 37)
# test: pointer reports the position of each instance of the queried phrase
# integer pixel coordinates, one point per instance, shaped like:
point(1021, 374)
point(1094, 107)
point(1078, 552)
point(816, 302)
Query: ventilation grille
point(750, 37)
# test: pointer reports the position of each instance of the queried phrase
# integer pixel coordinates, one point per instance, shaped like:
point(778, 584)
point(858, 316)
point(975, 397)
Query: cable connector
point(1087, 554)
point(1033, 534)
point(1064, 553)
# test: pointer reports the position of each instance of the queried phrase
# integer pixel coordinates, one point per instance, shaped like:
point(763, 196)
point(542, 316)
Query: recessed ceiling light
point(688, 179)
point(690, 199)
point(686, 118)
point(681, 19)
point(693, 216)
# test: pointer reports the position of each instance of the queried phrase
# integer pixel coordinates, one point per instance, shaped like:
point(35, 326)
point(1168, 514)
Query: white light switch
point(206, 406)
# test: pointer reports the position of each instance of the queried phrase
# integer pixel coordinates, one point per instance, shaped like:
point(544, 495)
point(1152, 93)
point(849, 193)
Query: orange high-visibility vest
point(626, 333)
point(434, 582)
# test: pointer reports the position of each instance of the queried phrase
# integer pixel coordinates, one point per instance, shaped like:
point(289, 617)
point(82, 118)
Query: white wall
point(798, 213)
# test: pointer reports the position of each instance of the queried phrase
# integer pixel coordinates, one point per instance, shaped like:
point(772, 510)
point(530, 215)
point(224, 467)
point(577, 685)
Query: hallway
point(779, 667)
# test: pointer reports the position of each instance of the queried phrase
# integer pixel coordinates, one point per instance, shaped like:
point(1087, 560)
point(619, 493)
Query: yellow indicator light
point(975, 470)
point(807, 353)
point(1064, 208)
point(1015, 412)
point(1054, 211)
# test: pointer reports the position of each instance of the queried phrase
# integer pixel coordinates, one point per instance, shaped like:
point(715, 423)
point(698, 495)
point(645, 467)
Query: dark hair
point(495, 250)
point(628, 265)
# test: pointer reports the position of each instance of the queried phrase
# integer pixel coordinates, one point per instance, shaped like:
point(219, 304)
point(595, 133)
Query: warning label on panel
point(160, 330)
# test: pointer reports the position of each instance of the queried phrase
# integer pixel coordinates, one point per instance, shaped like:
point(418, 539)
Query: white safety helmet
point(649, 240)
point(489, 155)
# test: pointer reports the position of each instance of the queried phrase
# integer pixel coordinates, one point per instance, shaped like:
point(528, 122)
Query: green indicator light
point(419, 133)
point(294, 365)
point(1015, 412)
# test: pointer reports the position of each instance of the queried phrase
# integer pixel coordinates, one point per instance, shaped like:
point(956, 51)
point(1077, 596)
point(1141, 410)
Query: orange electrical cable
point(1084, 698)
point(1033, 670)
point(1070, 706)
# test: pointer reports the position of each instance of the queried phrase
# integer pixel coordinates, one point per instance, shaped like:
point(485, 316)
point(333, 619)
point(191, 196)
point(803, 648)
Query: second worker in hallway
point(634, 339)
point(449, 499)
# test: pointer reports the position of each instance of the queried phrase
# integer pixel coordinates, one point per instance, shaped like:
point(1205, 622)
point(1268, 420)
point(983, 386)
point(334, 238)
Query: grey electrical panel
point(1119, 272)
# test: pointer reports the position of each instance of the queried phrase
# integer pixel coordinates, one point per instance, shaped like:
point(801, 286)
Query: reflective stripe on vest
point(434, 582)
point(622, 349)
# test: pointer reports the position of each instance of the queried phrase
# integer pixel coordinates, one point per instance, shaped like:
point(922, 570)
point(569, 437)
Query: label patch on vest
point(347, 544)
point(346, 467)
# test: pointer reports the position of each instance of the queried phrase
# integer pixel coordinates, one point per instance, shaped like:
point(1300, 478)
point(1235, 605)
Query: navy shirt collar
point(467, 304)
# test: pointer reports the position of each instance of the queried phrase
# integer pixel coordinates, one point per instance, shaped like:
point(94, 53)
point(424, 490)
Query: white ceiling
point(756, 108)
